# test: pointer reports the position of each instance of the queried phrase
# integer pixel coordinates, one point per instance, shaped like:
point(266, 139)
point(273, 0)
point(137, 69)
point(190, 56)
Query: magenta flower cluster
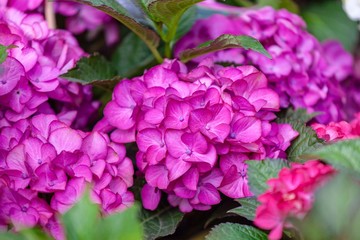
point(302, 70)
point(194, 130)
point(44, 168)
point(30, 76)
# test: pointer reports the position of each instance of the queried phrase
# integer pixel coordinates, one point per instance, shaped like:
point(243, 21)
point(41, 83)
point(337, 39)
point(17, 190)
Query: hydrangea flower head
point(301, 70)
point(45, 166)
point(195, 129)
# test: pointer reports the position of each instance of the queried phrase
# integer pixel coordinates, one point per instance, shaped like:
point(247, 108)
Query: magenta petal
point(209, 195)
point(123, 136)
point(150, 197)
point(177, 167)
point(157, 176)
point(120, 117)
point(177, 114)
point(191, 179)
point(63, 200)
point(95, 146)
point(246, 130)
point(65, 139)
point(10, 74)
point(174, 144)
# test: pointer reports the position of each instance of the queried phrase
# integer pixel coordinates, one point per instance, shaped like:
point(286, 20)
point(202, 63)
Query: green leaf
point(234, 231)
point(278, 4)
point(132, 56)
point(95, 70)
point(336, 211)
point(342, 154)
point(81, 220)
point(124, 225)
point(259, 172)
point(132, 15)
point(327, 20)
point(186, 22)
point(26, 234)
point(161, 222)
point(224, 42)
point(307, 139)
point(247, 209)
point(169, 12)
point(3, 52)
point(300, 115)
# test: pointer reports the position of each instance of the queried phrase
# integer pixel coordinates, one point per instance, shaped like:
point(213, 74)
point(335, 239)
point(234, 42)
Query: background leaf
point(224, 41)
point(336, 212)
point(247, 209)
point(278, 4)
point(132, 56)
point(161, 222)
point(307, 139)
point(342, 154)
point(327, 20)
point(261, 171)
point(234, 231)
point(3, 52)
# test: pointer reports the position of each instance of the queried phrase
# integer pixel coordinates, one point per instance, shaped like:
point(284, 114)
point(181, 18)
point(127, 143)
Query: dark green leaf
point(234, 231)
point(343, 154)
point(224, 42)
point(336, 212)
point(95, 70)
point(186, 22)
point(169, 12)
point(307, 139)
point(261, 171)
point(132, 56)
point(327, 20)
point(247, 209)
point(129, 13)
point(161, 222)
point(300, 115)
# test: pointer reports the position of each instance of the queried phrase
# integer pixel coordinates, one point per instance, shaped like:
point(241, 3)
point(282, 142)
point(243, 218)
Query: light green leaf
point(161, 222)
point(234, 231)
point(95, 70)
point(169, 12)
point(327, 20)
point(342, 154)
point(336, 211)
point(124, 225)
point(81, 220)
point(224, 42)
point(300, 115)
point(247, 209)
point(3, 52)
point(259, 172)
point(132, 56)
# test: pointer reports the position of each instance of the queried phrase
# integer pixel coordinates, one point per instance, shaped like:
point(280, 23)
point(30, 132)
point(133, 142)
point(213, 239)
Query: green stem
point(168, 50)
point(156, 54)
point(244, 3)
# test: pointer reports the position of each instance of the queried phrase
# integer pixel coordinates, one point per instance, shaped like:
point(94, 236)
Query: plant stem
point(244, 3)
point(168, 49)
point(50, 14)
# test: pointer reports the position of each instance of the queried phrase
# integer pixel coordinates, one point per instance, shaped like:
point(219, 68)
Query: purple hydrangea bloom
point(30, 76)
point(44, 168)
point(302, 70)
point(195, 129)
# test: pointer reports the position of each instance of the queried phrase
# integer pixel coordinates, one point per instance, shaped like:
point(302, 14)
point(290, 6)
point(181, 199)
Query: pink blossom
point(290, 195)
point(186, 123)
point(301, 71)
point(42, 158)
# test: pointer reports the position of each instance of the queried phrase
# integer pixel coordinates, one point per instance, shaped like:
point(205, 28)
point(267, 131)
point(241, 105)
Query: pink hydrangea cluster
point(44, 168)
point(30, 79)
point(302, 70)
point(291, 194)
point(195, 129)
point(81, 18)
point(335, 131)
